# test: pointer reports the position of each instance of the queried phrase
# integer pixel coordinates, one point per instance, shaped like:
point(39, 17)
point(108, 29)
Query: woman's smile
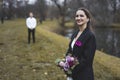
point(81, 18)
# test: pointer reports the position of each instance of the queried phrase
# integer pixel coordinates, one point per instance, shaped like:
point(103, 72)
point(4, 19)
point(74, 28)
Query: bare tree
point(1, 11)
point(115, 5)
point(8, 8)
point(62, 7)
point(41, 8)
point(99, 9)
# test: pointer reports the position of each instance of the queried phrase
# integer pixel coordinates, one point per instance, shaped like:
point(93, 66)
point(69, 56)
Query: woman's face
point(81, 18)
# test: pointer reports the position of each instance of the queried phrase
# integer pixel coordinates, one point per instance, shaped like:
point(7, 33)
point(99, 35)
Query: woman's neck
point(82, 27)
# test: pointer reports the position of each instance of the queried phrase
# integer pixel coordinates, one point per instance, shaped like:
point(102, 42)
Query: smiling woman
point(83, 46)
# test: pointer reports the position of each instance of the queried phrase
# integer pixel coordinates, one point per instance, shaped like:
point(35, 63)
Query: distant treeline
point(103, 11)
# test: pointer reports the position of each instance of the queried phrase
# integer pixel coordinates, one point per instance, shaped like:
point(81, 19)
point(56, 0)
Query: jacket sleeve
point(88, 55)
point(69, 51)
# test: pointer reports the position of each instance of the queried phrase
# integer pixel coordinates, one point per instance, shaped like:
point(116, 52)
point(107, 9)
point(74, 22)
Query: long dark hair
point(89, 16)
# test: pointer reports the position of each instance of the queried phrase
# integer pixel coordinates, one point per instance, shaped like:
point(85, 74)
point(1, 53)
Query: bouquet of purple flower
point(67, 64)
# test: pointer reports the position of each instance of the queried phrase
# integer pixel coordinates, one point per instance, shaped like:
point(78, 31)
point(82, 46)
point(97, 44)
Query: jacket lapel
point(82, 38)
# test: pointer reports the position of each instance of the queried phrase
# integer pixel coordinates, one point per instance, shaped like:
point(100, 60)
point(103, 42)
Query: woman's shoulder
point(90, 34)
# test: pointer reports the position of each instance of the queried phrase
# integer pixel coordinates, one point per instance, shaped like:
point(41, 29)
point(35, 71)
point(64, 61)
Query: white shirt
point(74, 40)
point(31, 22)
point(72, 44)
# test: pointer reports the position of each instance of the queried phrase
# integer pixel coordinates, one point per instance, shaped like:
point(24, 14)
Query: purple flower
point(67, 64)
point(78, 43)
point(70, 60)
point(66, 67)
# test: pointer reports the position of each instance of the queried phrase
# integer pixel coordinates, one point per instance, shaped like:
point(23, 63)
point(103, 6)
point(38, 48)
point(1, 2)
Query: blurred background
point(20, 61)
point(106, 14)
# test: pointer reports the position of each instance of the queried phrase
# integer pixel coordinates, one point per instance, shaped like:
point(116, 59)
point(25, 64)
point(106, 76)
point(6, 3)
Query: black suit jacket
point(84, 50)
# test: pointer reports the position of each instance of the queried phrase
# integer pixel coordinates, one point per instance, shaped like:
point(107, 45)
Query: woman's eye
point(80, 15)
point(77, 15)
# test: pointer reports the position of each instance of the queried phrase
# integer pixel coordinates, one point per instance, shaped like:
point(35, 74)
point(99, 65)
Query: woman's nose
point(78, 17)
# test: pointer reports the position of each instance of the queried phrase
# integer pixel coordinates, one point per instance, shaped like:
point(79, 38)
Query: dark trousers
point(31, 31)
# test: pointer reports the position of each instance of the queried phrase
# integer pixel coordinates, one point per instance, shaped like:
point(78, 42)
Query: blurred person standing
point(31, 25)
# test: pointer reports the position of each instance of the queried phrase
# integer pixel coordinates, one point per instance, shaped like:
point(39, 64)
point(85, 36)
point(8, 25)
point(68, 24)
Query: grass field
point(22, 61)
point(51, 25)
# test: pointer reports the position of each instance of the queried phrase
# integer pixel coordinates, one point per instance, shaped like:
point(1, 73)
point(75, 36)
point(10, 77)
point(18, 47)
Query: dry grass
point(20, 61)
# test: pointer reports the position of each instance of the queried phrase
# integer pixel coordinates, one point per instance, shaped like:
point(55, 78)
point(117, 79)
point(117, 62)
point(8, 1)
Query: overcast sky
point(49, 1)
point(31, 1)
